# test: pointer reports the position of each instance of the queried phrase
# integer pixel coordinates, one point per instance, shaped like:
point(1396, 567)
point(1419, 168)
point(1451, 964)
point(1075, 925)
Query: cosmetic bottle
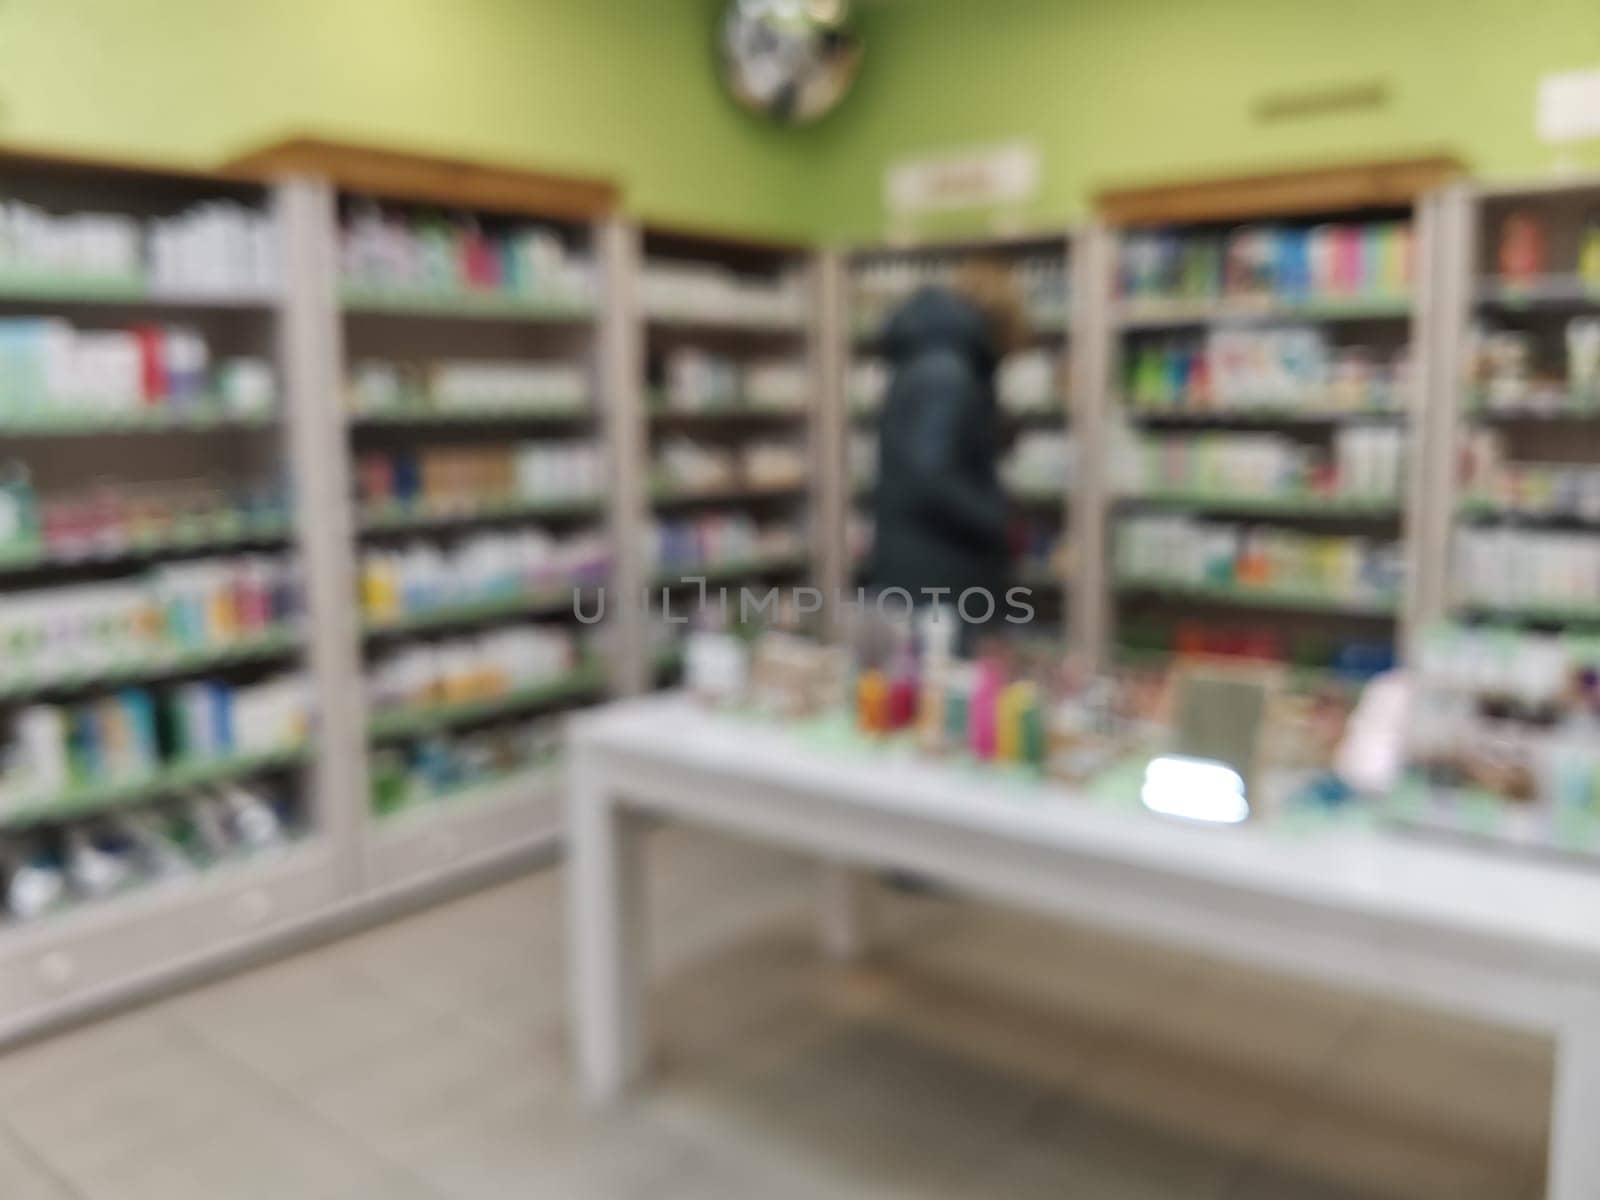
point(91, 870)
point(984, 712)
point(871, 701)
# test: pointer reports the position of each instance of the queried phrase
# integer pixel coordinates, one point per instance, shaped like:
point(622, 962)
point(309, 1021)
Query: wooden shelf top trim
point(1382, 183)
point(131, 169)
point(395, 174)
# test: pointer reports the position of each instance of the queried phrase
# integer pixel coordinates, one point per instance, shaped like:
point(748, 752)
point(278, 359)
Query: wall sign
point(1569, 107)
point(1003, 175)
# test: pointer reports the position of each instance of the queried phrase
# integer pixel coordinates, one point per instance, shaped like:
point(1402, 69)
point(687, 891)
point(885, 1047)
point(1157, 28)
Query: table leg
point(606, 928)
point(844, 898)
point(1575, 1117)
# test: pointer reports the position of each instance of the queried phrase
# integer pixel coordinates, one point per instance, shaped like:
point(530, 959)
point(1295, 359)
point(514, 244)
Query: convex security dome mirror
point(792, 60)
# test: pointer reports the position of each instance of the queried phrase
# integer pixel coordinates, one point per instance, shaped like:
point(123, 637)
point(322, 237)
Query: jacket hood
point(934, 317)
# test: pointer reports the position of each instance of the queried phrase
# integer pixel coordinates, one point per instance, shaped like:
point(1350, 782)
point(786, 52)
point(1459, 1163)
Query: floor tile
point(1093, 979)
point(763, 989)
point(451, 940)
point(529, 1143)
point(81, 1056)
point(1073, 1151)
point(974, 1053)
point(26, 1175)
point(1196, 1095)
point(1490, 1085)
point(272, 1152)
point(98, 1117)
point(877, 1069)
point(1278, 1183)
point(1009, 1030)
point(727, 1178)
point(813, 1151)
point(1367, 1149)
point(506, 992)
point(1258, 1022)
point(394, 1094)
point(688, 932)
point(297, 1018)
point(864, 1109)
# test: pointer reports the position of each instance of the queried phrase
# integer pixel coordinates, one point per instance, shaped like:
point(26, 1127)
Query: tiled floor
point(979, 1054)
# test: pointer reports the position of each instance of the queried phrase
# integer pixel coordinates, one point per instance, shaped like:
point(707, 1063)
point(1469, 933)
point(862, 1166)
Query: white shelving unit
point(1522, 408)
point(123, 491)
point(1512, 544)
point(732, 397)
point(420, 469)
point(344, 859)
point(1153, 340)
point(316, 323)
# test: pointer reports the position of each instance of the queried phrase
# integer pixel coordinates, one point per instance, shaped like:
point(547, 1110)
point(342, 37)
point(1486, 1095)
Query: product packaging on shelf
point(684, 464)
point(463, 476)
point(484, 567)
point(879, 285)
point(774, 465)
point(1038, 549)
point(701, 291)
point(1507, 372)
point(1032, 381)
point(52, 869)
point(111, 519)
point(697, 380)
point(1512, 568)
point(441, 767)
point(207, 604)
point(863, 458)
point(1040, 460)
point(719, 539)
point(420, 675)
point(1502, 740)
point(1335, 261)
point(868, 384)
point(1181, 551)
point(129, 735)
point(385, 252)
point(468, 385)
point(1367, 463)
point(217, 248)
point(777, 384)
point(47, 366)
point(1284, 368)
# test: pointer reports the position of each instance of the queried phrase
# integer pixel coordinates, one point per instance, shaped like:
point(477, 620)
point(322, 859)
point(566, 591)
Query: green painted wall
point(1115, 91)
point(619, 87)
point(1110, 90)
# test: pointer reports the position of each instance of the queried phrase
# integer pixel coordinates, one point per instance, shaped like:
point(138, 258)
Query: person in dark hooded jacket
point(939, 509)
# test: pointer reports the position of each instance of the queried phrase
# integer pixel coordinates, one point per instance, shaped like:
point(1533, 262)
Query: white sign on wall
point(1569, 106)
point(994, 176)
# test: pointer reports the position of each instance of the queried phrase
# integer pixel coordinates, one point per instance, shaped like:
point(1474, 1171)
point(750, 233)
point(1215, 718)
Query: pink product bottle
point(982, 713)
point(1347, 259)
point(253, 580)
point(903, 692)
point(244, 599)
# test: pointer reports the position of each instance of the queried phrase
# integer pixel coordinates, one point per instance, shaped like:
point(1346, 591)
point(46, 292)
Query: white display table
point(1509, 940)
